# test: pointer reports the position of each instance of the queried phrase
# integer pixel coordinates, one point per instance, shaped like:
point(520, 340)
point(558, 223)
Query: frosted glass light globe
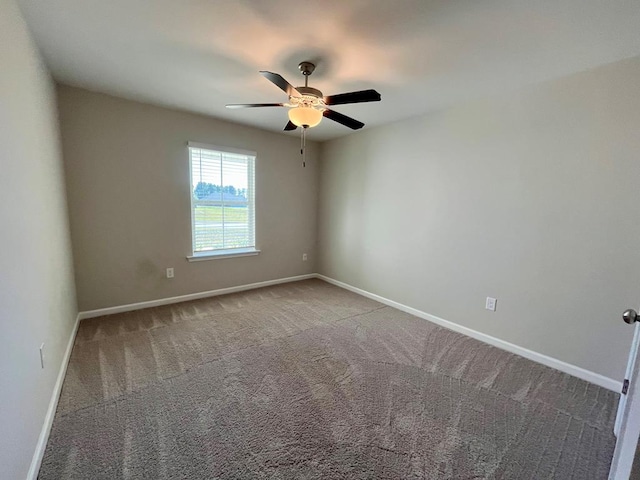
point(305, 116)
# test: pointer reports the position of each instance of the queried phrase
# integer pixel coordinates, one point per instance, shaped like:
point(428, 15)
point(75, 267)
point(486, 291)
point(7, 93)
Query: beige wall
point(530, 197)
point(129, 200)
point(37, 297)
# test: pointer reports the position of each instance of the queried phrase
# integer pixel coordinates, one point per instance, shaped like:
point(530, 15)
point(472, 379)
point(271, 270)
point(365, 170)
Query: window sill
point(216, 255)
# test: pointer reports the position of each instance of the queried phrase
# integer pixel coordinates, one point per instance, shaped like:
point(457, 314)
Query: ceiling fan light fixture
point(305, 116)
point(307, 105)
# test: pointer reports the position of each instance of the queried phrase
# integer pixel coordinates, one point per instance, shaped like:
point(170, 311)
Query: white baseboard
point(34, 469)
point(192, 296)
point(565, 367)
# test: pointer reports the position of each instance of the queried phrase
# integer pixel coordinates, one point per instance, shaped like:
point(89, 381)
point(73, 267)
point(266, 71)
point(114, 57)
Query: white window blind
point(222, 200)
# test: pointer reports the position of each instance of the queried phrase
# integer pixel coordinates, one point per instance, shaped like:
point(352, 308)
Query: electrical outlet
point(304, 257)
point(42, 356)
point(491, 304)
point(170, 272)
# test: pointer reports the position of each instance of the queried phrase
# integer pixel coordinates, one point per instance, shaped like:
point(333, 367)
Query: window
point(222, 201)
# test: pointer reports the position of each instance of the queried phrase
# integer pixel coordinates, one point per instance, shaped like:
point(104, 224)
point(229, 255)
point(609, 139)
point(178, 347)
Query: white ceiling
point(420, 55)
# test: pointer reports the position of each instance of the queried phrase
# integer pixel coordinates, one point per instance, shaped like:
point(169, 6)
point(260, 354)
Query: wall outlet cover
point(491, 304)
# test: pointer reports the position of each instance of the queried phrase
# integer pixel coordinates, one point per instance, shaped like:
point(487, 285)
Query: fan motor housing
point(314, 92)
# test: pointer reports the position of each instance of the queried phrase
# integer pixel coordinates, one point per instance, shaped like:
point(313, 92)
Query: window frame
point(222, 252)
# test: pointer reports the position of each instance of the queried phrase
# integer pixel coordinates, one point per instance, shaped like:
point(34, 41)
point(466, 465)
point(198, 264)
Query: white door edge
point(628, 419)
point(633, 352)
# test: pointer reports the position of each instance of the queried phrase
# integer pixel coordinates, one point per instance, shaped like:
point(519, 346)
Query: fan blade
point(343, 119)
point(353, 97)
point(290, 126)
point(281, 83)
point(252, 105)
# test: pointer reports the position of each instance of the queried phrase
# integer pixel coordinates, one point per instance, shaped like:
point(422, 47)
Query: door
point(627, 426)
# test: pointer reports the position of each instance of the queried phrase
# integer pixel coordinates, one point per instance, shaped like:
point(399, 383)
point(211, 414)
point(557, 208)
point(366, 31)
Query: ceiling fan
point(307, 105)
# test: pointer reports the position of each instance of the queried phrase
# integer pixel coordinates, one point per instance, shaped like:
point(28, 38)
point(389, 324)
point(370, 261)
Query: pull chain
point(303, 145)
point(303, 149)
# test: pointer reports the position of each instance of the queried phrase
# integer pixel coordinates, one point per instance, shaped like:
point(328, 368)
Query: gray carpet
point(309, 381)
